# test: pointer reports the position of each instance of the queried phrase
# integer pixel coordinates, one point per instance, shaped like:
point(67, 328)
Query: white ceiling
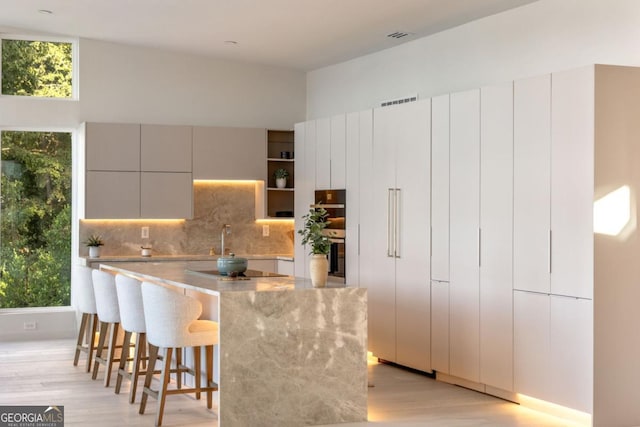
point(301, 34)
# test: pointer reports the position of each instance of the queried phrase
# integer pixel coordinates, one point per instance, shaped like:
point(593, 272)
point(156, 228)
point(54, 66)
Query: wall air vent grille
point(404, 100)
point(399, 34)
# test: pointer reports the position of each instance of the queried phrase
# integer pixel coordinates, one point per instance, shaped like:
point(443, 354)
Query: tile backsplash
point(215, 204)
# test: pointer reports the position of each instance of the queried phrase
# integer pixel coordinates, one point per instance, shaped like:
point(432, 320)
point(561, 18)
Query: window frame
point(75, 74)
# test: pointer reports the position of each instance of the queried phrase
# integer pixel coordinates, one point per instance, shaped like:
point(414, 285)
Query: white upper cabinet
point(165, 148)
point(496, 222)
point(229, 153)
point(112, 195)
point(122, 155)
point(440, 188)
point(323, 154)
point(572, 176)
point(532, 184)
point(112, 147)
point(464, 235)
point(166, 195)
point(338, 152)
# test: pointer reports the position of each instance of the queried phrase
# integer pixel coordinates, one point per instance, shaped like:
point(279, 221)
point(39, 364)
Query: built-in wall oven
point(334, 201)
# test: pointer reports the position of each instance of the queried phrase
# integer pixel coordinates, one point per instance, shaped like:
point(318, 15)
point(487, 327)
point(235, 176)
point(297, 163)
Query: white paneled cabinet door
point(440, 326)
point(302, 196)
point(165, 148)
point(413, 290)
point(571, 361)
point(440, 233)
point(496, 220)
point(572, 176)
point(366, 230)
point(532, 184)
point(380, 266)
point(112, 147)
point(323, 154)
point(112, 195)
point(359, 127)
point(338, 152)
point(440, 188)
point(531, 352)
point(464, 235)
point(166, 195)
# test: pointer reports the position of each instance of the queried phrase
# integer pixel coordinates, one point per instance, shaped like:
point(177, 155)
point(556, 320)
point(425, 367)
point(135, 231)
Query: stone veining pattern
point(303, 357)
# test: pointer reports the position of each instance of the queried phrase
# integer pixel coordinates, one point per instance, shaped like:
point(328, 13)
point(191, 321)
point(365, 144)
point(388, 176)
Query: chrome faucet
point(226, 229)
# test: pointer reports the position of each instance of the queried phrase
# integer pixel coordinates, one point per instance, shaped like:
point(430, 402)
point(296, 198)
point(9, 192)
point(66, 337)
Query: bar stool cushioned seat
point(172, 322)
point(86, 304)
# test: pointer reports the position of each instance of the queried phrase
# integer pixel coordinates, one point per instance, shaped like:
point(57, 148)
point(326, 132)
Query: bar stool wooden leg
point(111, 353)
point(153, 356)
point(81, 333)
point(197, 372)
point(178, 367)
point(162, 392)
point(209, 367)
point(104, 327)
point(137, 359)
point(92, 340)
point(122, 366)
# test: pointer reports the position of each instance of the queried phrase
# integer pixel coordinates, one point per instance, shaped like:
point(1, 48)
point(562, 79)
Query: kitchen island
point(289, 354)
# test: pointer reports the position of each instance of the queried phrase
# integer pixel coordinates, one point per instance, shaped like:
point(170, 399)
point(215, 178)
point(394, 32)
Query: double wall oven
point(334, 201)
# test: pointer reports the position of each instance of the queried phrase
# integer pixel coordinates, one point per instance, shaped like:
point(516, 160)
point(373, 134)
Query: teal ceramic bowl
point(232, 265)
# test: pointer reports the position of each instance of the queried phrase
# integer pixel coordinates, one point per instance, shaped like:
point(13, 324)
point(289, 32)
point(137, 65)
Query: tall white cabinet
point(440, 233)
point(464, 332)
point(496, 236)
point(396, 241)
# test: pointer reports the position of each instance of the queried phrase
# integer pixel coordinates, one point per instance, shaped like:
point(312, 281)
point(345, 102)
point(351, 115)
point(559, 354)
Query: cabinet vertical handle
point(396, 231)
point(550, 250)
point(389, 223)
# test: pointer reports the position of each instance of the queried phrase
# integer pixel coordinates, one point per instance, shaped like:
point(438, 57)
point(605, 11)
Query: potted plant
point(281, 176)
point(314, 235)
point(94, 242)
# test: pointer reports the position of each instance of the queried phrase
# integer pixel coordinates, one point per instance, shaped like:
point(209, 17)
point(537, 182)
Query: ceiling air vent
point(404, 100)
point(399, 34)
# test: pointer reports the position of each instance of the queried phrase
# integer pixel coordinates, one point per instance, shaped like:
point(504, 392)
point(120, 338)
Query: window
point(38, 68)
point(35, 219)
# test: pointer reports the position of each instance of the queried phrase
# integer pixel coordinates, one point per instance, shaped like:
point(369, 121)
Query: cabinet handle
point(389, 223)
point(396, 230)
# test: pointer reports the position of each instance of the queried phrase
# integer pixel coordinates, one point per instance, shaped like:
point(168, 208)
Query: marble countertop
point(159, 258)
point(177, 274)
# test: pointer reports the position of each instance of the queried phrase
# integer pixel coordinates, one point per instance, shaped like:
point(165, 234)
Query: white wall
point(545, 36)
point(121, 83)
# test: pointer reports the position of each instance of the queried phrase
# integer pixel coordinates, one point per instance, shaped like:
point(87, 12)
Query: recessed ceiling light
point(230, 42)
point(45, 11)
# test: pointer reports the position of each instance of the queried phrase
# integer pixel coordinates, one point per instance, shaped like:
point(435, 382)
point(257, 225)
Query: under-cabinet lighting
point(224, 181)
point(266, 220)
point(612, 212)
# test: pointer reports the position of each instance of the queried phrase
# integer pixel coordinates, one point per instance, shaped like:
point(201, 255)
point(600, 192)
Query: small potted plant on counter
point(281, 176)
point(93, 243)
point(313, 234)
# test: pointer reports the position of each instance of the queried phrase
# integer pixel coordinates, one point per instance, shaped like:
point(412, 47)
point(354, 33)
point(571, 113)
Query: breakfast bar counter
point(289, 354)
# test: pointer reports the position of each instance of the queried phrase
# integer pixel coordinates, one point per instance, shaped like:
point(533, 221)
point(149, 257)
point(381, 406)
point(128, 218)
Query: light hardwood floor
point(42, 373)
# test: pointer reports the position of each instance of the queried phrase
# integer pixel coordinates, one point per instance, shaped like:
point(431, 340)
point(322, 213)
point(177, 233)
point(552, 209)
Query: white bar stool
point(86, 302)
point(171, 320)
point(132, 321)
point(104, 286)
